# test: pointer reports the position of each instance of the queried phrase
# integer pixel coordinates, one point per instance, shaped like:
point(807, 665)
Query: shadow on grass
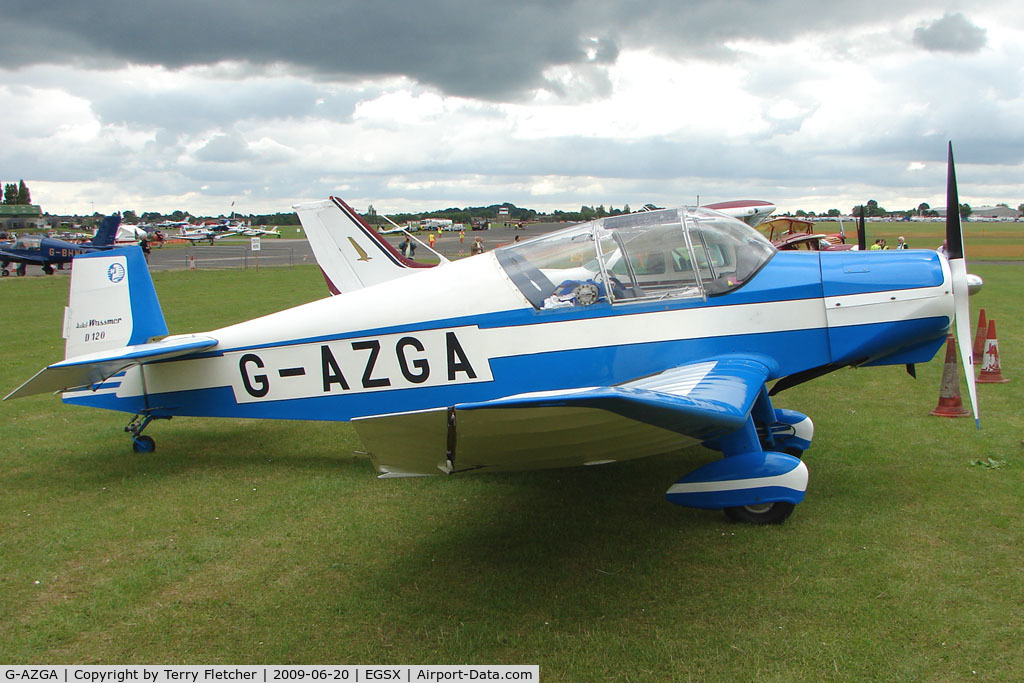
point(537, 547)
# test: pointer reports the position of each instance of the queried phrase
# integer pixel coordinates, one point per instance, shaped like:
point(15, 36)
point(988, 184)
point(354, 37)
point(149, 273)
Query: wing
point(660, 413)
point(703, 400)
point(22, 258)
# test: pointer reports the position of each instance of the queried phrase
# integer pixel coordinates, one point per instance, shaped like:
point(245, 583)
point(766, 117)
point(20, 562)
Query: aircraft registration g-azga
point(605, 341)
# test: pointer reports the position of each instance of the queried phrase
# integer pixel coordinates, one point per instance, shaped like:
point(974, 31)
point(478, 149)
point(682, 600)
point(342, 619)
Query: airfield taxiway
point(236, 253)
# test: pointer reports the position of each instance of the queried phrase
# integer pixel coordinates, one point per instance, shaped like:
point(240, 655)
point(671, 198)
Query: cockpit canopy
point(672, 253)
point(28, 242)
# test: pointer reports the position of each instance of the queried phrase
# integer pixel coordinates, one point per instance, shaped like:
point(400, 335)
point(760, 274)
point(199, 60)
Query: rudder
point(112, 304)
point(107, 232)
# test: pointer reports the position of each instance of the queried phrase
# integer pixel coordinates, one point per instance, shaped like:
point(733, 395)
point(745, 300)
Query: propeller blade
point(862, 238)
point(954, 231)
point(958, 272)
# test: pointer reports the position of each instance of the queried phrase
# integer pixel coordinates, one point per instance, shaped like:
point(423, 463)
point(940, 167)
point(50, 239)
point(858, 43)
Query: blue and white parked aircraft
point(39, 250)
point(606, 341)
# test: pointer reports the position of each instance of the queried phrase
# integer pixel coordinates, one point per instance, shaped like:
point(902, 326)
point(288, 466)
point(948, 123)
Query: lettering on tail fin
point(113, 303)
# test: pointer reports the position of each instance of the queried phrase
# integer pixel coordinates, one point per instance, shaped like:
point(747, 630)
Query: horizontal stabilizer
point(703, 400)
point(93, 368)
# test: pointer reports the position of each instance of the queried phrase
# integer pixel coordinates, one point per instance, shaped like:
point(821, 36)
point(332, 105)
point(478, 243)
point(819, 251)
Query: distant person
point(478, 246)
point(408, 248)
point(944, 249)
point(145, 249)
point(901, 243)
point(877, 246)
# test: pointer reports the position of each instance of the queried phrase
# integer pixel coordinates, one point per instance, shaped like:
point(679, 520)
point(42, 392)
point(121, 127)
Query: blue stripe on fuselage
point(599, 366)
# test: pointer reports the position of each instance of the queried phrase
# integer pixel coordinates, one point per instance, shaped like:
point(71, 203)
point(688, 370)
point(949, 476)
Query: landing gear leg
point(142, 443)
point(751, 483)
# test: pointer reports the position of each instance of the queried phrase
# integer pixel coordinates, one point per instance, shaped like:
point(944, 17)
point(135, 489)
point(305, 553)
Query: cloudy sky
point(422, 104)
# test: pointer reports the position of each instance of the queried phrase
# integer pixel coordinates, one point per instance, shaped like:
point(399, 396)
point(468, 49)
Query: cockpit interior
point(652, 255)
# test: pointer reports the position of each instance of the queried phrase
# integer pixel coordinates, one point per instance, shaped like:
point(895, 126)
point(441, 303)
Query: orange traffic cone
point(991, 372)
point(950, 404)
point(979, 338)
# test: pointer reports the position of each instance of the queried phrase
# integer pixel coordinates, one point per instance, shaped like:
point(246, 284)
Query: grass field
point(273, 542)
point(986, 241)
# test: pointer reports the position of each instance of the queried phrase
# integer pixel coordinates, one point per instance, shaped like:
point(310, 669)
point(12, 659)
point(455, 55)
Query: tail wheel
point(763, 513)
point(143, 444)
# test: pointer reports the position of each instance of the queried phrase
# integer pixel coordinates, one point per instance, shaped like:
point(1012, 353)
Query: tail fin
point(113, 303)
point(107, 231)
point(349, 252)
point(111, 318)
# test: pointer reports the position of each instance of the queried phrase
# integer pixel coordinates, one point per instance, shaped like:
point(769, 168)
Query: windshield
point(28, 242)
point(674, 253)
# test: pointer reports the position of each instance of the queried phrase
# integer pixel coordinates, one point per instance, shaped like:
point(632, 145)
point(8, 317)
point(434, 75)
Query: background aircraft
point(38, 250)
point(794, 233)
point(610, 340)
point(750, 211)
point(204, 234)
point(260, 232)
point(351, 254)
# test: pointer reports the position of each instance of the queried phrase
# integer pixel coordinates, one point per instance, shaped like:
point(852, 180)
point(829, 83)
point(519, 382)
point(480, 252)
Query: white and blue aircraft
point(606, 341)
point(351, 254)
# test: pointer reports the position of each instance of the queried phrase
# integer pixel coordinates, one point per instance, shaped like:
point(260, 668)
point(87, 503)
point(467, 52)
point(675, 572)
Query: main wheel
point(763, 513)
point(48, 269)
point(143, 444)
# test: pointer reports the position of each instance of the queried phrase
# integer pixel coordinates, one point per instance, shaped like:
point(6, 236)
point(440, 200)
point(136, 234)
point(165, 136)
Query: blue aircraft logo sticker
point(115, 273)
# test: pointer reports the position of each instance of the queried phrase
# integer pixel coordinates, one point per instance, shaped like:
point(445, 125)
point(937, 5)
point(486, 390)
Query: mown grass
point(986, 241)
point(258, 542)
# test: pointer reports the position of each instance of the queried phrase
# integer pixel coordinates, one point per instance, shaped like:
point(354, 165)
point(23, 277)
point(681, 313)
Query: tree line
point(17, 194)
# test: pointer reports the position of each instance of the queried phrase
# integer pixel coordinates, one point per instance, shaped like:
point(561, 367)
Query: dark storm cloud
point(482, 48)
point(951, 33)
